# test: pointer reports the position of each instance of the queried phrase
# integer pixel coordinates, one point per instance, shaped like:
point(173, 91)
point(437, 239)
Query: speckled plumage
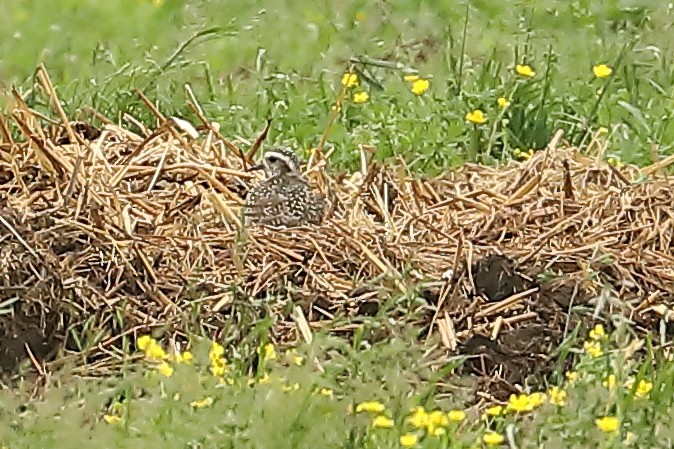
point(284, 198)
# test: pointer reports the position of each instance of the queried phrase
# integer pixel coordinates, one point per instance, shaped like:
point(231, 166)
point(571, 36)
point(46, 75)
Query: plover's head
point(278, 161)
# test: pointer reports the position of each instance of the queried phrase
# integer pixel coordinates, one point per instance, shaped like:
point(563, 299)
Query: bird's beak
point(256, 167)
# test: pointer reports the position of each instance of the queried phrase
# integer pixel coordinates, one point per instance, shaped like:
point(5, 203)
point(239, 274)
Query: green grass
point(251, 60)
point(302, 407)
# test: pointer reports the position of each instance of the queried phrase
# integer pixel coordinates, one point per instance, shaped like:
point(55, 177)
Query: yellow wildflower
point(525, 70)
point(476, 116)
point(593, 348)
point(602, 71)
point(409, 440)
point(503, 102)
point(360, 97)
point(602, 130)
point(216, 350)
point(165, 369)
point(495, 410)
point(456, 415)
point(608, 424)
point(269, 352)
point(294, 386)
point(201, 403)
point(144, 341)
point(492, 438)
point(571, 376)
point(370, 406)
point(525, 155)
point(153, 350)
point(186, 358)
point(411, 78)
point(437, 418)
point(537, 399)
point(519, 403)
point(326, 392)
point(265, 379)
point(617, 163)
point(112, 419)
point(349, 79)
point(219, 367)
point(557, 396)
point(598, 332)
point(643, 389)
point(420, 86)
point(610, 382)
point(436, 431)
point(419, 418)
point(382, 422)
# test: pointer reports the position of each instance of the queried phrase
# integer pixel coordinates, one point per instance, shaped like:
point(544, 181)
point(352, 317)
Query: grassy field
point(502, 78)
point(248, 61)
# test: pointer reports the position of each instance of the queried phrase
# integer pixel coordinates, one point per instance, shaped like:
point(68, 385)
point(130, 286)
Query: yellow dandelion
point(617, 163)
point(476, 116)
point(571, 376)
point(643, 389)
point(537, 399)
point(326, 392)
point(382, 422)
point(165, 369)
point(525, 70)
point(144, 341)
point(492, 438)
point(419, 418)
point(592, 348)
point(456, 415)
point(112, 419)
point(608, 424)
point(494, 410)
point(557, 396)
point(155, 351)
point(602, 71)
point(610, 382)
point(201, 403)
point(370, 406)
point(436, 431)
point(349, 79)
point(519, 403)
point(420, 86)
point(269, 352)
point(216, 350)
point(186, 358)
point(361, 97)
point(598, 332)
point(411, 78)
point(409, 440)
point(292, 387)
point(503, 102)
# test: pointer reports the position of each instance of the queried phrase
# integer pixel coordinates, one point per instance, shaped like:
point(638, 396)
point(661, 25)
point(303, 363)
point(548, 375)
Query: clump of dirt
point(30, 292)
point(496, 277)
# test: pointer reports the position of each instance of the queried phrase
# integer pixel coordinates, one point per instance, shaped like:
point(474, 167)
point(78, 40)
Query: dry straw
point(145, 223)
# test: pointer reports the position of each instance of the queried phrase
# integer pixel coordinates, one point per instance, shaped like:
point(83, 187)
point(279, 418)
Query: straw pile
point(102, 224)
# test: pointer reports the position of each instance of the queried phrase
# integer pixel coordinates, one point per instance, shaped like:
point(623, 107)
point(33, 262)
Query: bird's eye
point(272, 159)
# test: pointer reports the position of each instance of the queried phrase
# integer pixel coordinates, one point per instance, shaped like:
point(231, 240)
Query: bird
point(283, 198)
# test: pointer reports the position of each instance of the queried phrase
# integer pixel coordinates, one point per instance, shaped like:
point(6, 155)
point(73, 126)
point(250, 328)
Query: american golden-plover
point(284, 197)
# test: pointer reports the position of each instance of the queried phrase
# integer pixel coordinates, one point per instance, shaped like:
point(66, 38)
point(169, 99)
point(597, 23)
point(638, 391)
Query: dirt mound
point(139, 228)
